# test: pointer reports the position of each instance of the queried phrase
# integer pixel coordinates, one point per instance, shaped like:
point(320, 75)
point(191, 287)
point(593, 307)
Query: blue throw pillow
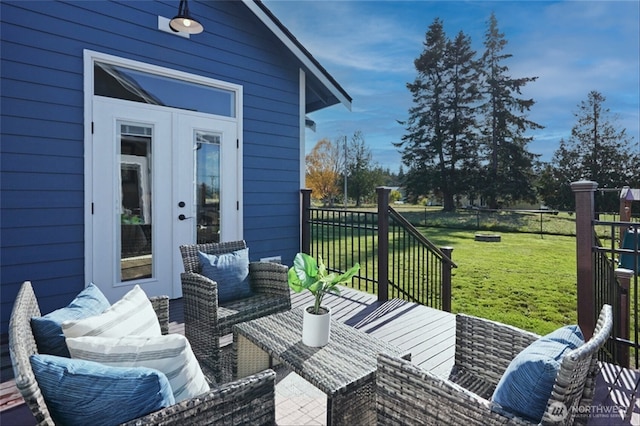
point(526, 385)
point(230, 271)
point(79, 392)
point(570, 335)
point(47, 329)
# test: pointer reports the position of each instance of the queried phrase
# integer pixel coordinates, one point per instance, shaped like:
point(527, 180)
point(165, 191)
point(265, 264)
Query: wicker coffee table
point(344, 369)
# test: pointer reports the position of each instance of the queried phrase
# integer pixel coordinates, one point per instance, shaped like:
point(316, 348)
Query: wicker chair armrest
point(271, 278)
point(200, 306)
point(604, 326)
point(485, 348)
point(575, 382)
point(195, 288)
point(250, 400)
point(22, 345)
point(407, 394)
point(161, 306)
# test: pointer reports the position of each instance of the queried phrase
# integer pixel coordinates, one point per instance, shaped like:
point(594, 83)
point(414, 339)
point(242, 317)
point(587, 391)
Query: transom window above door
point(115, 81)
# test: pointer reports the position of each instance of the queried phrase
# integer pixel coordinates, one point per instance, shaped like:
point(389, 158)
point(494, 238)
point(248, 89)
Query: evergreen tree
point(462, 124)
point(422, 140)
point(363, 175)
point(438, 146)
point(554, 179)
point(596, 151)
point(509, 173)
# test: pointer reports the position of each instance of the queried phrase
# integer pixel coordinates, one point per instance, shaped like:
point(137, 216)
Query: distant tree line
point(466, 132)
point(330, 163)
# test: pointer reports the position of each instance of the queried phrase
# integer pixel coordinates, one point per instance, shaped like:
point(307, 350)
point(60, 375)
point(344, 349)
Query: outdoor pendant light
point(184, 22)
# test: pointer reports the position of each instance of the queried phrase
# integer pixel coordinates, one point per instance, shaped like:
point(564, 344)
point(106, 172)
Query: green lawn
point(524, 280)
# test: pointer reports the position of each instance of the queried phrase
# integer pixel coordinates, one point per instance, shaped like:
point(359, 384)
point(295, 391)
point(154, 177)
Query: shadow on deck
point(429, 335)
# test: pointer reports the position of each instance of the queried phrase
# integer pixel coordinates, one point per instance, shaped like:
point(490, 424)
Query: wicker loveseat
point(484, 349)
point(206, 320)
point(250, 400)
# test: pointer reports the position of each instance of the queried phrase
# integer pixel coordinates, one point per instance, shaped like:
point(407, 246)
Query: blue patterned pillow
point(230, 271)
point(170, 354)
point(526, 385)
point(84, 393)
point(47, 329)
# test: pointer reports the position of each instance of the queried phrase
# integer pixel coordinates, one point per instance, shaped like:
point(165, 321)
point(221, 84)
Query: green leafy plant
point(130, 219)
point(307, 274)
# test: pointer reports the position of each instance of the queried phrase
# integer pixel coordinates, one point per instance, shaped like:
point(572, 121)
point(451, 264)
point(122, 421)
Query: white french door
point(161, 177)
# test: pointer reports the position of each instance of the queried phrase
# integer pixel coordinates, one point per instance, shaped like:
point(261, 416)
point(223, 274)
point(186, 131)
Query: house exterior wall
point(42, 147)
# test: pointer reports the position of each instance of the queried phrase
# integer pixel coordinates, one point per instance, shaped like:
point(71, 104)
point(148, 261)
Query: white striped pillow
point(171, 354)
point(131, 315)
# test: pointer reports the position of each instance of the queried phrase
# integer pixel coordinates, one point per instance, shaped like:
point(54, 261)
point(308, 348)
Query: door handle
point(183, 217)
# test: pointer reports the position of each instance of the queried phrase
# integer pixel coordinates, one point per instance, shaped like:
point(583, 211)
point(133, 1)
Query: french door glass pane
point(134, 240)
point(207, 187)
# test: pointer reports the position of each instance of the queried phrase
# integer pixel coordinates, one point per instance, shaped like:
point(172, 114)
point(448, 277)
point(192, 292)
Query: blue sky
point(369, 47)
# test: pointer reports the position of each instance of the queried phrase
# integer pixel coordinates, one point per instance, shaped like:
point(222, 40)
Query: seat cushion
point(527, 383)
point(47, 329)
point(131, 315)
point(84, 393)
point(230, 271)
point(170, 354)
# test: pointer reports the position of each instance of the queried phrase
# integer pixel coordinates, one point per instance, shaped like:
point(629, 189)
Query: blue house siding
point(271, 200)
point(42, 145)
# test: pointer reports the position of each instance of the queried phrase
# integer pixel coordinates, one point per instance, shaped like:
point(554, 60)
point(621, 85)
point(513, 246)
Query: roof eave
point(303, 55)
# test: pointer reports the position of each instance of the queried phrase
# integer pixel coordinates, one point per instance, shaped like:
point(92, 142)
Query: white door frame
point(89, 58)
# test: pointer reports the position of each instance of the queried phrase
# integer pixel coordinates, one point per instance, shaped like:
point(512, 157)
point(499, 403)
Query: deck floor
point(427, 333)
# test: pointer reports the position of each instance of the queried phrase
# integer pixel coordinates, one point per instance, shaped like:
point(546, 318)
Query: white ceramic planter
point(316, 329)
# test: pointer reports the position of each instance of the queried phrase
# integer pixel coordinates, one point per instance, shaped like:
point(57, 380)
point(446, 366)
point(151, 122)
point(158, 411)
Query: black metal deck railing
point(396, 260)
point(615, 281)
point(342, 238)
point(420, 271)
point(607, 272)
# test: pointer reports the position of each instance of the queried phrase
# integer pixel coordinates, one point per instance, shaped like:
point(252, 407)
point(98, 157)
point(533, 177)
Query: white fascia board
point(297, 52)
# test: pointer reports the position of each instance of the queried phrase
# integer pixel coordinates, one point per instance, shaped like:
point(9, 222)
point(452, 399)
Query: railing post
point(623, 329)
point(584, 196)
point(305, 218)
point(383, 243)
point(446, 279)
point(625, 214)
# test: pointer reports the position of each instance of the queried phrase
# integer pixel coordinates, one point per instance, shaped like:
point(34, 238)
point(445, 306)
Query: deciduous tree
point(323, 171)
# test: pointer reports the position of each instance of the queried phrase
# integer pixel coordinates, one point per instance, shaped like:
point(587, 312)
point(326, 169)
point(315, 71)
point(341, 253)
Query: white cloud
point(369, 47)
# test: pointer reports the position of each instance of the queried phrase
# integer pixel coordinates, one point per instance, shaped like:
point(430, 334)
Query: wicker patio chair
point(407, 394)
point(206, 320)
point(250, 400)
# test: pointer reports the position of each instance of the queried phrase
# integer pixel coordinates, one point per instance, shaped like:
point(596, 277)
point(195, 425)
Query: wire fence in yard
point(543, 222)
